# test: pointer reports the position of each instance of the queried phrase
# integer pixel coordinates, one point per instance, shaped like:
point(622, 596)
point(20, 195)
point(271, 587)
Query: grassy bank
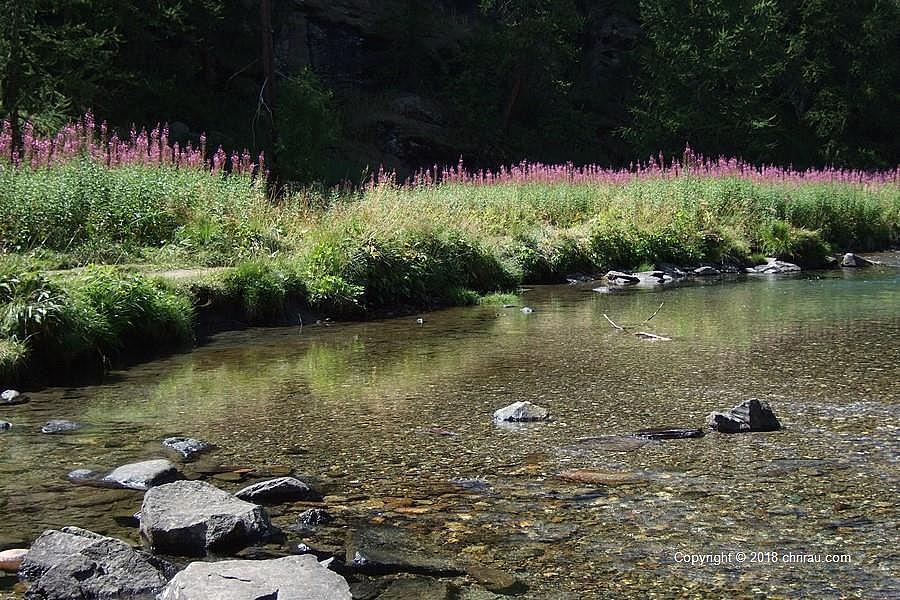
point(443, 239)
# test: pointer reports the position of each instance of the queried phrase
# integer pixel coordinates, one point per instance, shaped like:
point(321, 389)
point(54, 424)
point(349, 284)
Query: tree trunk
point(268, 87)
point(12, 78)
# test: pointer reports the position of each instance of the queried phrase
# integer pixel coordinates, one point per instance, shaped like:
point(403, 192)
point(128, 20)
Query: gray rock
point(12, 397)
point(281, 489)
point(706, 271)
point(143, 475)
point(671, 270)
point(750, 415)
point(776, 267)
point(288, 578)
point(59, 426)
point(521, 411)
point(527, 310)
point(75, 563)
point(855, 261)
point(669, 433)
point(85, 476)
point(620, 278)
point(187, 447)
point(191, 518)
point(5, 425)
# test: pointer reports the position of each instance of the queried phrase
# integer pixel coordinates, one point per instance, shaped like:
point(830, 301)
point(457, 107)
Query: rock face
point(186, 447)
point(669, 433)
point(855, 261)
point(281, 489)
point(190, 518)
point(11, 397)
point(59, 426)
point(521, 411)
point(143, 475)
point(750, 415)
point(75, 563)
point(11, 560)
point(289, 578)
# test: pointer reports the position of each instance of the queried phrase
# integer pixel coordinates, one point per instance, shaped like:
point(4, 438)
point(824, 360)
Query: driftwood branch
point(613, 323)
point(644, 335)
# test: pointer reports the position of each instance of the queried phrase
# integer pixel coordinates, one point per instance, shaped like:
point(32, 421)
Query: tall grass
point(446, 236)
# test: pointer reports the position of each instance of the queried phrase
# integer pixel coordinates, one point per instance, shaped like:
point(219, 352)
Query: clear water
point(388, 416)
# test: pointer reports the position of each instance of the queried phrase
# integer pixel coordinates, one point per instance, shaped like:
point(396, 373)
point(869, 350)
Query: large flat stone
point(288, 578)
point(191, 518)
point(143, 475)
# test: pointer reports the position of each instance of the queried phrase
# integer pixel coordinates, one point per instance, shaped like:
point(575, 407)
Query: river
point(392, 420)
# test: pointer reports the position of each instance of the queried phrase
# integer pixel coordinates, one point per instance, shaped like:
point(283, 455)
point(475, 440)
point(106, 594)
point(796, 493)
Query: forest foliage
point(807, 83)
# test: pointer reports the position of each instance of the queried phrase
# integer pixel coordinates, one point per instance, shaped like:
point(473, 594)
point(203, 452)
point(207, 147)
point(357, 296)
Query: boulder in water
point(59, 426)
point(281, 489)
point(12, 397)
point(190, 518)
point(143, 475)
point(186, 447)
point(750, 415)
point(521, 411)
point(76, 563)
point(855, 261)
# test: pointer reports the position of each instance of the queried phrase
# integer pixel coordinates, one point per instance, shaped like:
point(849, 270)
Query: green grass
point(352, 253)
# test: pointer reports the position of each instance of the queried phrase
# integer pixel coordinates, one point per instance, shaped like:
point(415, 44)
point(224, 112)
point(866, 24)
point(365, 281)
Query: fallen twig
point(659, 308)
point(613, 323)
point(644, 335)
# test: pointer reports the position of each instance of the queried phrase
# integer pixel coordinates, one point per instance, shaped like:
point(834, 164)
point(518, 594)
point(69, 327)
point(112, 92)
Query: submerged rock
point(11, 560)
point(187, 447)
point(190, 518)
point(602, 477)
point(76, 563)
point(289, 578)
point(669, 433)
point(281, 489)
point(388, 550)
point(495, 580)
point(59, 426)
point(12, 397)
point(143, 475)
point(750, 415)
point(855, 261)
point(521, 411)
point(418, 588)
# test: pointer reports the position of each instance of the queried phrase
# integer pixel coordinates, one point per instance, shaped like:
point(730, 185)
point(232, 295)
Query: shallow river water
point(392, 420)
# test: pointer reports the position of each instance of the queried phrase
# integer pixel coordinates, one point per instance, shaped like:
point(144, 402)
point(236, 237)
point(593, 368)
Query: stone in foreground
point(191, 518)
point(11, 560)
point(288, 578)
point(855, 261)
point(186, 447)
point(521, 411)
point(750, 415)
point(12, 397)
point(76, 563)
point(281, 489)
point(142, 475)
